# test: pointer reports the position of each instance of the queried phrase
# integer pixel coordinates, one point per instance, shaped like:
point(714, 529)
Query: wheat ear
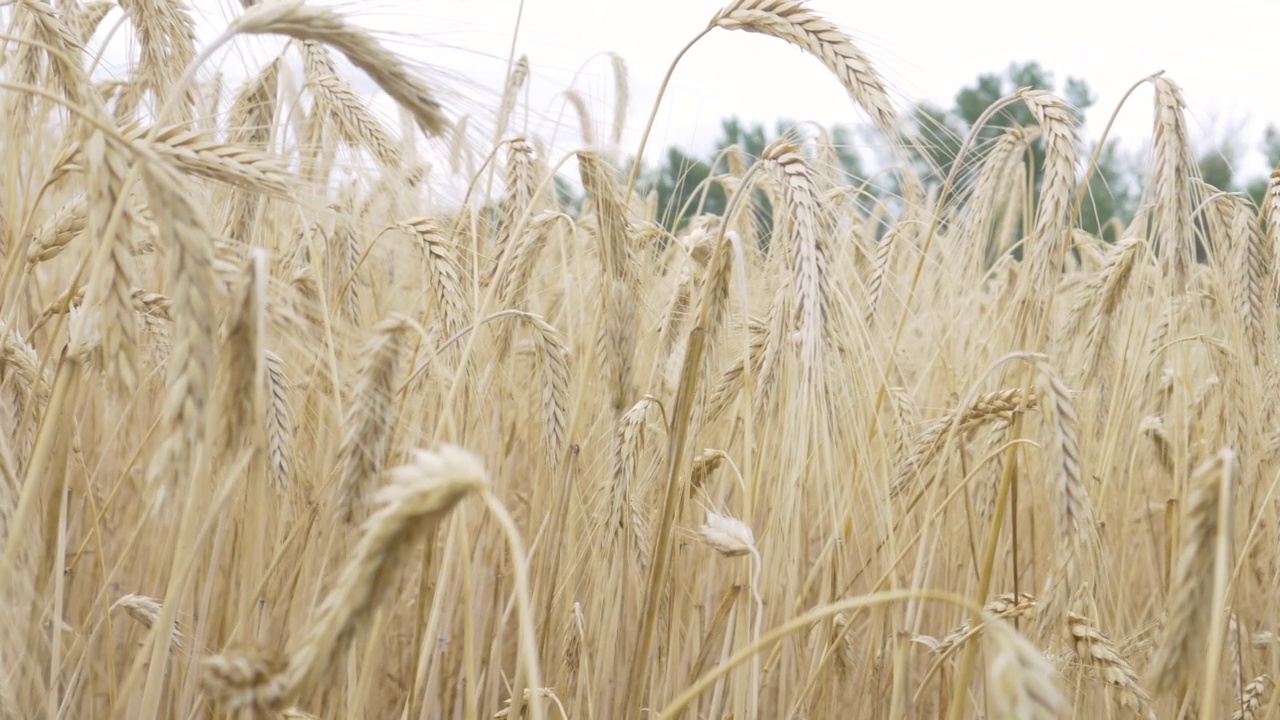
point(110, 284)
point(417, 498)
point(793, 22)
point(370, 417)
point(1173, 169)
point(279, 422)
point(192, 357)
point(305, 22)
point(1191, 602)
point(1096, 651)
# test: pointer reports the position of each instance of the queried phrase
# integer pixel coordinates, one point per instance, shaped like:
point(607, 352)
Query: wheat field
point(287, 435)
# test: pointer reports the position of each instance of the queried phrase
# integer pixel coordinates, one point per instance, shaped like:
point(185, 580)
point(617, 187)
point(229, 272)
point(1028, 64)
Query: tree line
point(684, 182)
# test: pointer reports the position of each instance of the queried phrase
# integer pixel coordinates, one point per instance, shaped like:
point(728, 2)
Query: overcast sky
point(928, 50)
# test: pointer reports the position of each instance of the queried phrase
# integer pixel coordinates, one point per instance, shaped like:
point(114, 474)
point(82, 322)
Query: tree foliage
point(685, 184)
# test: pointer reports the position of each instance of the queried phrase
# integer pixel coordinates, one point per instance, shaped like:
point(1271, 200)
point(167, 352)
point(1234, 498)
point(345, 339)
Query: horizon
point(916, 60)
point(463, 47)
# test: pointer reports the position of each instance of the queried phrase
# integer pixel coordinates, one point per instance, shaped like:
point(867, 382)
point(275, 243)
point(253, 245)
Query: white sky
point(1218, 54)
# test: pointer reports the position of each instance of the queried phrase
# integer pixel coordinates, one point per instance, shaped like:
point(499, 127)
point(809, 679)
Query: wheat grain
point(1053, 212)
point(1253, 697)
point(521, 182)
point(1022, 681)
point(1004, 607)
point(1097, 651)
point(202, 155)
point(624, 521)
point(1247, 269)
point(64, 45)
point(728, 536)
point(553, 364)
point(1105, 291)
point(354, 121)
point(146, 612)
point(241, 679)
point(998, 405)
point(55, 233)
point(585, 125)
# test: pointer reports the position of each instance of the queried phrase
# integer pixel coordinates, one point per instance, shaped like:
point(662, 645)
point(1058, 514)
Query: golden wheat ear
point(418, 496)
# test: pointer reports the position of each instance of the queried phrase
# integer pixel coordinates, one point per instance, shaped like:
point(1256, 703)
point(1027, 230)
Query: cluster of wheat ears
point(281, 440)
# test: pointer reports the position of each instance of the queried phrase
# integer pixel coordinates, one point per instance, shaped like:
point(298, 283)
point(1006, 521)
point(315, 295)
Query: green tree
point(681, 181)
point(1112, 194)
point(1271, 151)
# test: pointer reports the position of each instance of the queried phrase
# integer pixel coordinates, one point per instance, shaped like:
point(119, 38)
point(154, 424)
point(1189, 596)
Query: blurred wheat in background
point(290, 431)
